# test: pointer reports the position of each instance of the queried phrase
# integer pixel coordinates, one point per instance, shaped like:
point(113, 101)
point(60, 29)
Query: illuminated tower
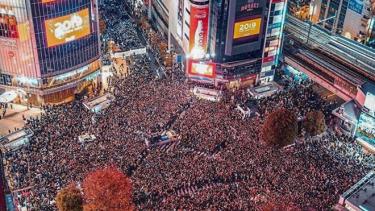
point(49, 49)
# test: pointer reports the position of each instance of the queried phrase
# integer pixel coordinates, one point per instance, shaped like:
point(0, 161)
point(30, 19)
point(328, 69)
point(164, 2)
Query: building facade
point(171, 17)
point(354, 19)
point(49, 49)
point(226, 42)
point(356, 118)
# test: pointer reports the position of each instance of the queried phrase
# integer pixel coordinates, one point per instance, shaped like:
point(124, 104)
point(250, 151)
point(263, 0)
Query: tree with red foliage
point(107, 189)
point(280, 128)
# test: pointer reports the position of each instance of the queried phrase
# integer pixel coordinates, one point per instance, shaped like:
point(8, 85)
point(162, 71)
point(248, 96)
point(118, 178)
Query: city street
point(14, 118)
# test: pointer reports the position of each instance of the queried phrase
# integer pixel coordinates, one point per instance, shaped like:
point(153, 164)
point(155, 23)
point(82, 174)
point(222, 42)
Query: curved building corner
point(50, 49)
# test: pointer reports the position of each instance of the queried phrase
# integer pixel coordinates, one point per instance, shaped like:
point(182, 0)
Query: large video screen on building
point(67, 28)
point(202, 69)
point(245, 26)
point(66, 34)
point(248, 20)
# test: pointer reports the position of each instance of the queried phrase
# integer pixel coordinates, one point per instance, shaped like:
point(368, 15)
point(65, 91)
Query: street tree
point(107, 189)
point(69, 199)
point(280, 128)
point(314, 123)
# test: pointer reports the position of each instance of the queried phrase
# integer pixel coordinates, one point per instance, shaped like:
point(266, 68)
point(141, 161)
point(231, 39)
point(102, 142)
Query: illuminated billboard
point(198, 31)
point(247, 28)
point(47, 1)
point(67, 28)
point(66, 34)
point(202, 69)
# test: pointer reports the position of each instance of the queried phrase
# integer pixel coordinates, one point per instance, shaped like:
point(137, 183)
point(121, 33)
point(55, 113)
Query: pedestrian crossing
point(169, 146)
point(191, 189)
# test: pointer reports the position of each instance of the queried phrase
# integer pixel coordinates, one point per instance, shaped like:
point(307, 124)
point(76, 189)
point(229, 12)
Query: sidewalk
point(13, 117)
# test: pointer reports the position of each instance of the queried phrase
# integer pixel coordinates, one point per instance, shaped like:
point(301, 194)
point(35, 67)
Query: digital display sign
point(202, 69)
point(67, 28)
point(247, 28)
point(248, 8)
point(47, 1)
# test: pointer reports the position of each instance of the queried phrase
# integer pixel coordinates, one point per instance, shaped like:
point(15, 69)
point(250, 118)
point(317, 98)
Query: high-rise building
point(172, 17)
point(353, 19)
point(225, 41)
point(244, 39)
point(49, 49)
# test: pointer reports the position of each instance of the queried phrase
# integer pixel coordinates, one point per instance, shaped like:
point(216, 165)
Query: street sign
point(179, 58)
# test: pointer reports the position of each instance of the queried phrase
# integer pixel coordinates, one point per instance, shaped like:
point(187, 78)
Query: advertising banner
point(67, 28)
point(246, 21)
point(356, 6)
point(198, 31)
point(248, 8)
point(247, 28)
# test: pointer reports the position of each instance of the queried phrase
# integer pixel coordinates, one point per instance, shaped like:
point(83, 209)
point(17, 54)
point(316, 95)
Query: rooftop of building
point(361, 196)
point(349, 111)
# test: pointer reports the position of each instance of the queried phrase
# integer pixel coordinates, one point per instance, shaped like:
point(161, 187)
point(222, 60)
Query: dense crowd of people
point(119, 29)
point(219, 161)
